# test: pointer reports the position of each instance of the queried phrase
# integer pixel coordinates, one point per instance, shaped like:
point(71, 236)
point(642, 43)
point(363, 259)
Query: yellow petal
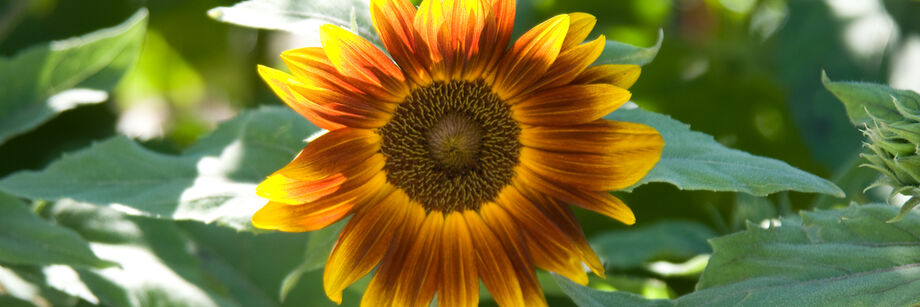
point(569, 105)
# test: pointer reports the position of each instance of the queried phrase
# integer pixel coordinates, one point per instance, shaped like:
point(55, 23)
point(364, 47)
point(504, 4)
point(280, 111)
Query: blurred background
point(744, 71)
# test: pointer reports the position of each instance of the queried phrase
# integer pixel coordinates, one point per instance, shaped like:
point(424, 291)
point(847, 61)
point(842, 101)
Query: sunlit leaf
point(672, 240)
point(27, 239)
point(621, 53)
point(258, 262)
point(157, 262)
point(213, 181)
point(300, 16)
point(44, 80)
point(866, 100)
point(695, 161)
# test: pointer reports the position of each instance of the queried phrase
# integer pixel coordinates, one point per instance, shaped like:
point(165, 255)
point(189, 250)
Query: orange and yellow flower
point(456, 156)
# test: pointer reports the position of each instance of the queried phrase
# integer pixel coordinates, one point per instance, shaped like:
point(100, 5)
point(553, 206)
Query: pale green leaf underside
point(213, 181)
point(26, 239)
point(866, 100)
point(848, 257)
point(300, 16)
point(695, 161)
point(44, 80)
point(621, 53)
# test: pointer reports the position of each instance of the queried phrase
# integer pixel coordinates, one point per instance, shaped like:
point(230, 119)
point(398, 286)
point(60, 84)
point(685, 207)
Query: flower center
point(454, 142)
point(451, 146)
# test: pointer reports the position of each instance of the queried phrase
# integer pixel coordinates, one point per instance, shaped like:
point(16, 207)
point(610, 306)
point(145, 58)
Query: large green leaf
point(213, 181)
point(300, 16)
point(866, 100)
point(27, 239)
point(695, 161)
point(847, 257)
point(621, 53)
point(671, 240)
point(48, 79)
point(825, 258)
point(159, 264)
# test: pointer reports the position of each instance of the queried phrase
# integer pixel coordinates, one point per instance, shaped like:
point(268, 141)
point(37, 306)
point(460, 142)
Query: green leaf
point(866, 100)
point(158, 263)
point(620, 53)
point(27, 239)
point(847, 257)
point(825, 258)
point(10, 301)
point(48, 79)
point(587, 297)
point(695, 161)
point(260, 261)
point(213, 181)
point(300, 16)
point(317, 251)
point(671, 240)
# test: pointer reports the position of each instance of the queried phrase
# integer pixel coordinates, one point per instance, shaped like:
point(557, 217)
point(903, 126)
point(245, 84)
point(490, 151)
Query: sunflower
point(456, 156)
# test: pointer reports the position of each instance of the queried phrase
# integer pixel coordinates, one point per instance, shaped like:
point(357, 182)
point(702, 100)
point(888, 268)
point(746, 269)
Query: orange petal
point(597, 137)
point(324, 155)
point(600, 202)
point(569, 65)
point(460, 287)
point(580, 27)
point(324, 211)
point(550, 247)
point(504, 262)
point(363, 243)
point(531, 56)
point(355, 57)
point(563, 217)
point(621, 75)
point(493, 42)
point(592, 172)
point(421, 275)
point(320, 169)
point(327, 108)
point(281, 188)
point(569, 105)
point(382, 289)
point(452, 30)
point(311, 65)
point(393, 21)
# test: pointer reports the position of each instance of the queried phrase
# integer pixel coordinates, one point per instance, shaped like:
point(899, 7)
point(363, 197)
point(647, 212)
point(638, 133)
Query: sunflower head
point(458, 153)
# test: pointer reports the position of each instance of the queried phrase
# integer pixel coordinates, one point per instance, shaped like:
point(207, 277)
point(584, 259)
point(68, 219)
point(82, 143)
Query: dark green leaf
point(300, 16)
point(317, 251)
point(48, 79)
point(213, 181)
point(620, 53)
point(695, 161)
point(671, 240)
point(866, 100)
point(27, 239)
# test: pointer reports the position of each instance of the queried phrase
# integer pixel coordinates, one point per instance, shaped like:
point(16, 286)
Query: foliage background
point(744, 71)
